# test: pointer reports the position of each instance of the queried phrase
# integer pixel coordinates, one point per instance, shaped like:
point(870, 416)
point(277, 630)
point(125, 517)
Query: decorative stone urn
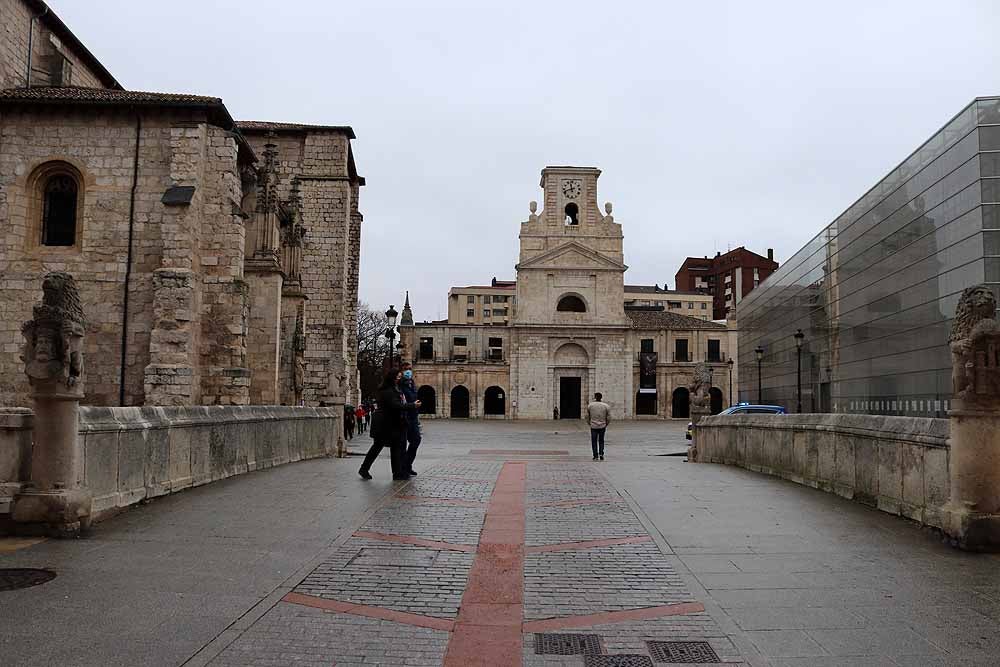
point(972, 515)
point(53, 502)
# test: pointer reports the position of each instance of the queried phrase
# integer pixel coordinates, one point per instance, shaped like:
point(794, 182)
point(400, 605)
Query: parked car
point(744, 409)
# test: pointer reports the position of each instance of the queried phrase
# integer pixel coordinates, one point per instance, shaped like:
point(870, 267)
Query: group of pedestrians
point(395, 424)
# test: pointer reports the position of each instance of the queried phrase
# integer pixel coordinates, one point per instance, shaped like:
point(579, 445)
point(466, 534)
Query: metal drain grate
point(13, 579)
point(687, 652)
point(622, 660)
point(551, 644)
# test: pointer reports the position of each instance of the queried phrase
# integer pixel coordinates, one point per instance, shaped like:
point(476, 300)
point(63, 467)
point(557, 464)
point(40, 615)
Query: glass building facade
point(874, 293)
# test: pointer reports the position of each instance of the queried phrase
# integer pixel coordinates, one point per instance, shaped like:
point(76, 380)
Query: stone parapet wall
point(897, 464)
point(130, 454)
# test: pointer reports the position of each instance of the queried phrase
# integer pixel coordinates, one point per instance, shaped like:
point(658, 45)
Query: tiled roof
point(103, 95)
point(654, 289)
point(653, 319)
point(76, 95)
point(268, 126)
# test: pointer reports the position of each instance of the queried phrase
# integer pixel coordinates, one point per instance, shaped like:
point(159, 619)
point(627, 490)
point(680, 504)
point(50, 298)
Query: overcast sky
point(716, 124)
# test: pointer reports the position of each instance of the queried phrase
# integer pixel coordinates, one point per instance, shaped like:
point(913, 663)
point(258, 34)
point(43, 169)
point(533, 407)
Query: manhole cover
point(698, 652)
point(622, 660)
point(550, 644)
point(12, 579)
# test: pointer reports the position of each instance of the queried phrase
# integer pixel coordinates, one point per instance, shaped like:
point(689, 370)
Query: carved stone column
point(53, 502)
point(972, 515)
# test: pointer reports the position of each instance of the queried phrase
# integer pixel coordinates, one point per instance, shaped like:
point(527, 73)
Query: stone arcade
point(564, 330)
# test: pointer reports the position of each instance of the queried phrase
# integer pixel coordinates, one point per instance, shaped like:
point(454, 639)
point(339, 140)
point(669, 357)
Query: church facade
point(564, 330)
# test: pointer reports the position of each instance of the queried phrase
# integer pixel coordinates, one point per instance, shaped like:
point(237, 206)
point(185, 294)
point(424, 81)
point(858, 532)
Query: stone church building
point(217, 260)
point(567, 327)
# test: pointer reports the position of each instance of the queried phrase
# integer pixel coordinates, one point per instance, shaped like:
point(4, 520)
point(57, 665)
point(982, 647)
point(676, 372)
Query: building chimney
point(770, 254)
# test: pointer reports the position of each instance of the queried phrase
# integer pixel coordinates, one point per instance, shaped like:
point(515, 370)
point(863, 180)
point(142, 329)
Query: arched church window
point(572, 214)
point(59, 210)
point(571, 304)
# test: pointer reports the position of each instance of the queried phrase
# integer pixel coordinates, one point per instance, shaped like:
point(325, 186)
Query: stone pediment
point(572, 255)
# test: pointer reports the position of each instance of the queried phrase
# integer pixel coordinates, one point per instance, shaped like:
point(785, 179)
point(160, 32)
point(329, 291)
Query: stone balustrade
point(897, 464)
point(136, 453)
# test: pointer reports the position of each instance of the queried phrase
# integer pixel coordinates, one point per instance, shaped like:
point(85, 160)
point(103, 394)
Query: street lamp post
point(730, 364)
point(760, 357)
point(799, 337)
point(390, 332)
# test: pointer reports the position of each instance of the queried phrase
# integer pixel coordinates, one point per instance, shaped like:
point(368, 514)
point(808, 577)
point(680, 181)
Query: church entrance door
point(569, 398)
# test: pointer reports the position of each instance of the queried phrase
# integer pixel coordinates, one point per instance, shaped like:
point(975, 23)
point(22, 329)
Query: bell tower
point(571, 269)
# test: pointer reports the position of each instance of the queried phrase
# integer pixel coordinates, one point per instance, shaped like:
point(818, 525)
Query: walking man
point(412, 431)
point(599, 414)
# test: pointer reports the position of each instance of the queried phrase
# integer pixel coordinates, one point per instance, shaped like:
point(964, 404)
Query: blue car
point(744, 409)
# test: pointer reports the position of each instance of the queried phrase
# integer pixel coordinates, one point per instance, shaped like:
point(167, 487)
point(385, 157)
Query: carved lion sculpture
point(975, 314)
point(54, 336)
point(700, 385)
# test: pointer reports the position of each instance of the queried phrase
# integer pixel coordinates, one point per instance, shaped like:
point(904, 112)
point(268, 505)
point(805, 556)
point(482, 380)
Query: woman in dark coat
point(388, 426)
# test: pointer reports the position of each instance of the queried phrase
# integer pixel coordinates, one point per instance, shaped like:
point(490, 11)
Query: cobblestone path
point(490, 562)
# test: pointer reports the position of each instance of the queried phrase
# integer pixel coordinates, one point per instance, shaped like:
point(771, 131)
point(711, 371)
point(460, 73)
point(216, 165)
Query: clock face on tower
point(572, 188)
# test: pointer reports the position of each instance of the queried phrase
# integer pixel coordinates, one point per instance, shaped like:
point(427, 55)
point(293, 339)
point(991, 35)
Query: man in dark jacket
point(412, 434)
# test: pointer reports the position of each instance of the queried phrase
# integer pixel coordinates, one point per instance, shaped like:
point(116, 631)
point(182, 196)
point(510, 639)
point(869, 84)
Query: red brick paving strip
point(488, 629)
point(371, 612)
point(645, 614)
point(406, 539)
point(590, 544)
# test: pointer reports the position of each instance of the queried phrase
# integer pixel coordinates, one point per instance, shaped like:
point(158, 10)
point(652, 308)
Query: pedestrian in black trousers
point(388, 427)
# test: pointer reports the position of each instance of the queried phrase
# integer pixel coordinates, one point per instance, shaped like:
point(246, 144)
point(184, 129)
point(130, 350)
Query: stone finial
point(406, 319)
point(608, 207)
point(533, 206)
point(53, 338)
point(975, 346)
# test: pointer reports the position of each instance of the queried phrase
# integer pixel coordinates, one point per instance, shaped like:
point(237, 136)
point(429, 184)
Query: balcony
point(682, 358)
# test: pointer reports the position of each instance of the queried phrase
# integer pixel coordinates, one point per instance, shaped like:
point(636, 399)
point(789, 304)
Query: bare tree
point(373, 348)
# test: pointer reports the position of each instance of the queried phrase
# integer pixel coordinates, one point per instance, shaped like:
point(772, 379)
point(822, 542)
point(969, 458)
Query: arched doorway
point(645, 403)
point(681, 403)
point(427, 398)
point(495, 403)
point(715, 394)
point(460, 402)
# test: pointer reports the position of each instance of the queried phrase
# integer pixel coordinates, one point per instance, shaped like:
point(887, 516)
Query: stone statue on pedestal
point(53, 502)
point(972, 515)
point(701, 399)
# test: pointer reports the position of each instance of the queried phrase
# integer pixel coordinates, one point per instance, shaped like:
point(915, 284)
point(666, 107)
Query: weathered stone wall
point(186, 342)
point(132, 454)
point(15, 17)
point(897, 464)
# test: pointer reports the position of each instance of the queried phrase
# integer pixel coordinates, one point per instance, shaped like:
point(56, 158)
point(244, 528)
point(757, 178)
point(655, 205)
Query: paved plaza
point(511, 547)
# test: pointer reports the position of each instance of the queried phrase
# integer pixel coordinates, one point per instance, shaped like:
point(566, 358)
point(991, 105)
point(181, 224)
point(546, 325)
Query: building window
point(427, 349)
point(704, 306)
point(498, 312)
point(646, 345)
point(470, 299)
point(571, 304)
point(572, 214)
point(486, 299)
point(458, 341)
point(681, 350)
point(496, 342)
point(470, 312)
point(59, 204)
point(713, 351)
point(673, 304)
point(486, 312)
point(690, 305)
